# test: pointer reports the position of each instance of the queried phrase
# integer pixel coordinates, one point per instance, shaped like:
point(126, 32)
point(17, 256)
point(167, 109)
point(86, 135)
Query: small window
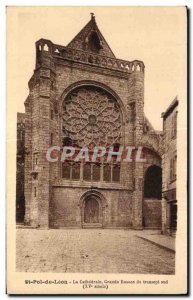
point(173, 168)
point(96, 172)
point(107, 173)
point(35, 192)
point(35, 160)
point(87, 172)
point(175, 161)
point(52, 114)
point(76, 171)
point(94, 43)
point(174, 126)
point(51, 138)
point(116, 173)
point(66, 170)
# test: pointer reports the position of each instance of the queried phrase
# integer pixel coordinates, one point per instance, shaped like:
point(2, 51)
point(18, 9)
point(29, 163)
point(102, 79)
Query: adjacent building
point(169, 160)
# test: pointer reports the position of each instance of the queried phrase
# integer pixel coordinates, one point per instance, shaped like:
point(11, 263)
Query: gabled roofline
point(170, 108)
point(98, 30)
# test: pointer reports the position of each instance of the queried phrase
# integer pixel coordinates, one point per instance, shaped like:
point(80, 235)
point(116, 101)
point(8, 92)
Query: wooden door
point(91, 211)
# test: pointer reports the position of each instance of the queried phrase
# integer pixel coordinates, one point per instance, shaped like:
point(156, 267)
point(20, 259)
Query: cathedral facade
point(82, 95)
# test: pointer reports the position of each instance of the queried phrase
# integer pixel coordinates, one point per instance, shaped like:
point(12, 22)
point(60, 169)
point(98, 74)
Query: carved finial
point(92, 16)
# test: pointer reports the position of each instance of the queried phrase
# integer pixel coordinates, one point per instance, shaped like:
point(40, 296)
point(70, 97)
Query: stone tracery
point(91, 117)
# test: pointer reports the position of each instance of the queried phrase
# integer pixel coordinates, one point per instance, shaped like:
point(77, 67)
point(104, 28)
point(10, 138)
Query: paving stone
point(87, 251)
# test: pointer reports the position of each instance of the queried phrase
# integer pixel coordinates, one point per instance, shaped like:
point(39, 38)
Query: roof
point(170, 108)
point(91, 39)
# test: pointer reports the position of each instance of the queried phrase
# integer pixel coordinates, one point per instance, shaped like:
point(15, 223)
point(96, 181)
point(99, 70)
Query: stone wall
point(169, 181)
point(152, 213)
point(66, 207)
point(170, 151)
point(20, 200)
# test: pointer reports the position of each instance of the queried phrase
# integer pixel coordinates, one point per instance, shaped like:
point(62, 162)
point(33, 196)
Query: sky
point(155, 35)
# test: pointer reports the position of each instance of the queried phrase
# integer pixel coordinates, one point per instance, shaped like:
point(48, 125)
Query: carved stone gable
point(90, 39)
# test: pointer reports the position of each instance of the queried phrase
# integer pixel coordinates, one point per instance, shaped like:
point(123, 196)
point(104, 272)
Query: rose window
point(91, 116)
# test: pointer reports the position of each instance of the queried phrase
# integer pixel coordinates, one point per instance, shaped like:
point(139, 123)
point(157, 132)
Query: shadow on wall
point(152, 198)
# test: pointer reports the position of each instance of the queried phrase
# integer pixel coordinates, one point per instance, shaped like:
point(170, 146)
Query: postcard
point(96, 150)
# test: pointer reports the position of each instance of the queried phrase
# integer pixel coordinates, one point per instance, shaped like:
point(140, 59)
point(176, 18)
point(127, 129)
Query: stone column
point(38, 168)
point(28, 160)
point(138, 196)
point(136, 104)
point(164, 207)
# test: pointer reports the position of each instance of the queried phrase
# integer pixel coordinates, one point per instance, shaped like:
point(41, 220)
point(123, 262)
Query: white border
point(3, 4)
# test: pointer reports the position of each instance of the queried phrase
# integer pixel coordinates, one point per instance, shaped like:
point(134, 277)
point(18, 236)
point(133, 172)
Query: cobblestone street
point(90, 250)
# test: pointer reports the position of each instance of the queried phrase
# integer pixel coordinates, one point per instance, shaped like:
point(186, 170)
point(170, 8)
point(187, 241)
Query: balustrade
point(58, 51)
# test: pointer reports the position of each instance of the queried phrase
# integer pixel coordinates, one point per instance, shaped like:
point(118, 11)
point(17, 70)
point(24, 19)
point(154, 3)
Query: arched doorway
point(91, 211)
point(153, 182)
